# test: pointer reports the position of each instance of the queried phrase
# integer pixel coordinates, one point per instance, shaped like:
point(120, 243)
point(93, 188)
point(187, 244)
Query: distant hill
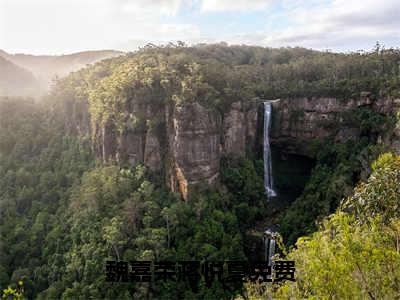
point(16, 81)
point(48, 67)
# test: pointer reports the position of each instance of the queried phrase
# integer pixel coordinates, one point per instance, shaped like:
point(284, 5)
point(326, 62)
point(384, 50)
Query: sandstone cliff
point(187, 141)
point(298, 122)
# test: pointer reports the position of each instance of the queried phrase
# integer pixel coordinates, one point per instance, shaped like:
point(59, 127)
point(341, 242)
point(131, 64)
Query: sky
point(66, 26)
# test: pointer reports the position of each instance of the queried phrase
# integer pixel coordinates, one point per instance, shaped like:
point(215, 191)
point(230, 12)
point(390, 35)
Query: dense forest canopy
point(64, 212)
point(355, 253)
point(217, 75)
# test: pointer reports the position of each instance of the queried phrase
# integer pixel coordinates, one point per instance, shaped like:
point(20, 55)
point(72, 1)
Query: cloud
point(172, 7)
point(163, 34)
point(62, 26)
point(136, 23)
point(340, 25)
point(48, 26)
point(233, 5)
point(148, 7)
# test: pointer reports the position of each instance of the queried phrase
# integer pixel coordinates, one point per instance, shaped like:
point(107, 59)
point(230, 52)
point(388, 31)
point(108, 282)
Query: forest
point(65, 211)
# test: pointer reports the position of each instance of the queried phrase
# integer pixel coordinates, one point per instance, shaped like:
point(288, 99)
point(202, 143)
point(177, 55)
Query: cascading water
point(268, 182)
point(269, 250)
point(269, 246)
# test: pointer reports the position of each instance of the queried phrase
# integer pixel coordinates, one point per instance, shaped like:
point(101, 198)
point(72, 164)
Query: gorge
point(169, 153)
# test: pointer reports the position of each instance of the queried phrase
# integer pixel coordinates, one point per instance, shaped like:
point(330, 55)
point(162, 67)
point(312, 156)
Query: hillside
point(46, 67)
point(355, 252)
point(16, 81)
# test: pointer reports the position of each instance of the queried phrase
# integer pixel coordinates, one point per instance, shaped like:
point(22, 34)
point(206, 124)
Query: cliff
point(297, 122)
point(186, 141)
point(179, 110)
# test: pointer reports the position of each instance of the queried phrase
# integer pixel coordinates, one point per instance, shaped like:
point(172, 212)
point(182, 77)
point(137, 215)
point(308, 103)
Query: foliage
point(379, 195)
point(347, 261)
point(338, 168)
point(11, 293)
point(217, 75)
point(64, 217)
point(38, 165)
point(64, 214)
point(353, 255)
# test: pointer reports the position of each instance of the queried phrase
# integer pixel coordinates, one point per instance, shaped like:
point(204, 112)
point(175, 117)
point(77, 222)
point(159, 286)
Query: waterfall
point(268, 183)
point(269, 247)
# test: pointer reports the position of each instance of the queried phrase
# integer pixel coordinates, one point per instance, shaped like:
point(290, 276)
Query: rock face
point(234, 131)
point(297, 122)
point(240, 129)
point(198, 137)
point(136, 142)
point(309, 112)
point(390, 106)
point(188, 140)
point(194, 142)
point(152, 151)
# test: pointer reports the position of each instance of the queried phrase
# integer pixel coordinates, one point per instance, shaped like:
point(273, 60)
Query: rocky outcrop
point(251, 125)
point(152, 151)
point(234, 131)
point(187, 139)
point(136, 141)
point(390, 106)
point(194, 143)
point(239, 132)
point(299, 121)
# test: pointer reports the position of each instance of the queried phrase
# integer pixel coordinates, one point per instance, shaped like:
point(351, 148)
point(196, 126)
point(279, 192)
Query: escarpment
point(300, 121)
point(187, 140)
point(179, 110)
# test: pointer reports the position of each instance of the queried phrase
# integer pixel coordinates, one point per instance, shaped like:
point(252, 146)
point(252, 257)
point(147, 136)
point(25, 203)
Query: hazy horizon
point(64, 27)
point(370, 48)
